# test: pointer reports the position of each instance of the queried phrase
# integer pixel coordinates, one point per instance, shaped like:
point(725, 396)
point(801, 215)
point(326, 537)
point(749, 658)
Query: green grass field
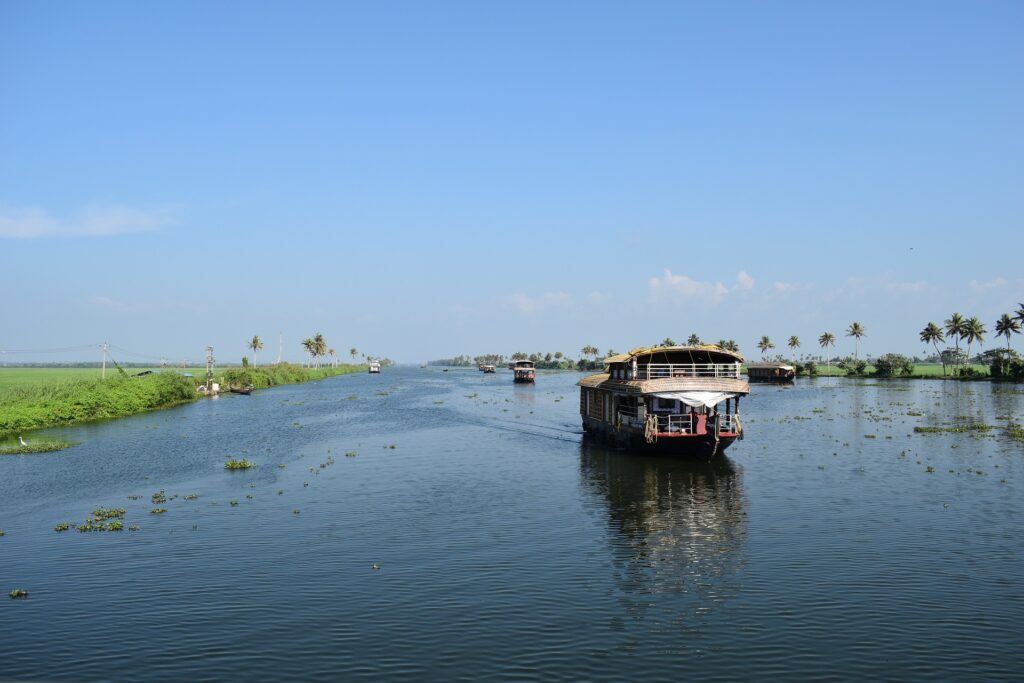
point(23, 377)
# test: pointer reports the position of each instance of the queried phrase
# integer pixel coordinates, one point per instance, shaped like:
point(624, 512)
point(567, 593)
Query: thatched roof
point(650, 386)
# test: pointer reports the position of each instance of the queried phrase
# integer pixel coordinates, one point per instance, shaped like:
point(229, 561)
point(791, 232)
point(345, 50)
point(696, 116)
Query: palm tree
point(307, 344)
point(764, 345)
point(793, 343)
point(589, 350)
point(932, 334)
point(558, 355)
point(1007, 326)
point(353, 352)
point(1018, 315)
point(955, 329)
point(974, 331)
point(255, 344)
point(332, 353)
point(693, 340)
point(319, 347)
point(668, 341)
point(855, 330)
point(824, 341)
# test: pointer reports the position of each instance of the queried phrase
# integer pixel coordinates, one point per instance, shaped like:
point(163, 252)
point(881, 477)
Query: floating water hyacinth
point(18, 593)
point(242, 464)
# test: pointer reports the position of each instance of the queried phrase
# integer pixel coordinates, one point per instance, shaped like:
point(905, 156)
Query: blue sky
point(425, 179)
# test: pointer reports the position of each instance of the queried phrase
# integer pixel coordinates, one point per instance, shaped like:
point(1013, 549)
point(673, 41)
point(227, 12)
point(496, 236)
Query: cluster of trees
point(316, 348)
point(971, 330)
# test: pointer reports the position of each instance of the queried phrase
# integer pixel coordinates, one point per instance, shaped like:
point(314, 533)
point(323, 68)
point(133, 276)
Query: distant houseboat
point(680, 400)
point(488, 369)
point(523, 371)
point(374, 367)
point(780, 373)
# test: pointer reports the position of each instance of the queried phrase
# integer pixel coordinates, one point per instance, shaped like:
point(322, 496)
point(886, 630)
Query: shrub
point(853, 366)
point(893, 365)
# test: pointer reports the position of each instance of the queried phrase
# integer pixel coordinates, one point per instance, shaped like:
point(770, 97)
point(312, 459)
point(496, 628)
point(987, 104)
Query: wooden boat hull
point(243, 391)
point(523, 379)
point(681, 445)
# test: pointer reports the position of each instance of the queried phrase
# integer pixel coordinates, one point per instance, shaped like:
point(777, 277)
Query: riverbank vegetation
point(281, 373)
point(35, 445)
point(23, 408)
point(49, 402)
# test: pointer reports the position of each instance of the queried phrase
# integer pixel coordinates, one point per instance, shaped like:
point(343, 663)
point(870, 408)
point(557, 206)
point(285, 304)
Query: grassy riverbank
point(50, 402)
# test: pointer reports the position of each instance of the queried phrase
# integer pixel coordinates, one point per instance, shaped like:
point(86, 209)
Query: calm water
point(820, 548)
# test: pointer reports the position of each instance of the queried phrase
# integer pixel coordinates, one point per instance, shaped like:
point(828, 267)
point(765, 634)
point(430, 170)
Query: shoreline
point(78, 401)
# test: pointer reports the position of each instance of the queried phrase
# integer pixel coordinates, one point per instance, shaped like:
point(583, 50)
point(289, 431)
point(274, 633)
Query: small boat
point(245, 391)
point(488, 369)
point(523, 372)
point(778, 373)
point(678, 400)
point(374, 367)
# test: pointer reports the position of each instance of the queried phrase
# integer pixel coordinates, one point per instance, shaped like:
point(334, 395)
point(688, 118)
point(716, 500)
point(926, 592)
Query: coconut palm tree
point(319, 347)
point(932, 334)
point(824, 341)
point(793, 344)
point(668, 341)
point(256, 345)
point(955, 330)
point(307, 344)
point(589, 350)
point(353, 352)
point(764, 345)
point(855, 330)
point(974, 331)
point(332, 353)
point(693, 340)
point(1007, 326)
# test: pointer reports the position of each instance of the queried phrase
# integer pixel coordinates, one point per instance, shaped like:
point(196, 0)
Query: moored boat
point(523, 371)
point(779, 373)
point(374, 367)
point(488, 369)
point(246, 390)
point(680, 400)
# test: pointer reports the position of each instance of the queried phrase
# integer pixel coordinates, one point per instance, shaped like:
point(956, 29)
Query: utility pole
point(280, 346)
point(103, 375)
point(209, 368)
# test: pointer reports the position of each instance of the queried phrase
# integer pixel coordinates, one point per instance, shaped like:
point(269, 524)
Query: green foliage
point(853, 366)
point(809, 368)
point(893, 365)
point(242, 464)
point(245, 361)
point(282, 373)
point(36, 445)
point(18, 593)
point(24, 408)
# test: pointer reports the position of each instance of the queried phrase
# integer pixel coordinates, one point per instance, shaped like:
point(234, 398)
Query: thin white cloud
point(991, 285)
point(96, 221)
point(683, 288)
point(597, 298)
point(528, 305)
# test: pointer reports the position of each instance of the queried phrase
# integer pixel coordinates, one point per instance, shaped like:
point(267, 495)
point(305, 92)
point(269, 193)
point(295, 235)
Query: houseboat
point(779, 373)
point(488, 369)
point(679, 400)
point(523, 371)
point(374, 367)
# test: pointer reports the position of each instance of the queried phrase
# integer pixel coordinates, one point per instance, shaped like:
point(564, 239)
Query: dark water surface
point(820, 548)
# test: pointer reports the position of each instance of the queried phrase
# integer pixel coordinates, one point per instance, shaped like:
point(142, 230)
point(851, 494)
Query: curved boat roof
point(654, 350)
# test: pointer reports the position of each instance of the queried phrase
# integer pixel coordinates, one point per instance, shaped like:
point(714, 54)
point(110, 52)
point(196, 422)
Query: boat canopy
point(704, 353)
point(696, 399)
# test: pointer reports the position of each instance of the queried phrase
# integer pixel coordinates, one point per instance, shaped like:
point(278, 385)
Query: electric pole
point(280, 346)
point(103, 374)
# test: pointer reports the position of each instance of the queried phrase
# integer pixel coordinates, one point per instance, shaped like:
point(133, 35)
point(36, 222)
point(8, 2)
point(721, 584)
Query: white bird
point(22, 441)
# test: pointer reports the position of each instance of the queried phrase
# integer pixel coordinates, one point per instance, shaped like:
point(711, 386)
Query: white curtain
point(695, 399)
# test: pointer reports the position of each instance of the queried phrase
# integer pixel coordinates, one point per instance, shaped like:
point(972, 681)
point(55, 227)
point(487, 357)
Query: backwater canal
point(490, 543)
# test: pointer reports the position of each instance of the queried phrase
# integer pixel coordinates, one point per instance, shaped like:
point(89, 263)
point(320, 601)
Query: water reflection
point(677, 526)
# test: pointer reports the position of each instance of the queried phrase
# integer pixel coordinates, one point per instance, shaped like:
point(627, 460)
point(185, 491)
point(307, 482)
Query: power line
point(85, 347)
